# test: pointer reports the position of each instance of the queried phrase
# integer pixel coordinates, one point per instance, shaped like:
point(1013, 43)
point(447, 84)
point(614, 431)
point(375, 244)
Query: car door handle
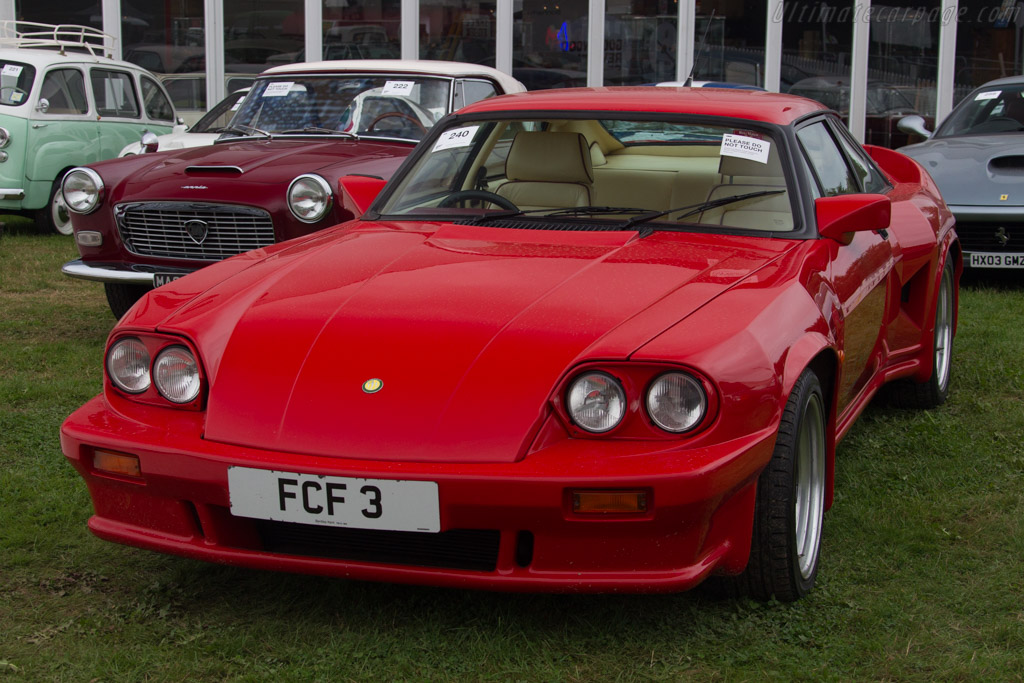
point(39, 125)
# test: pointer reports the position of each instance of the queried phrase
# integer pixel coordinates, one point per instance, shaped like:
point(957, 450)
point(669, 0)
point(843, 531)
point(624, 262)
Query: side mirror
point(359, 191)
point(42, 105)
point(149, 142)
point(848, 213)
point(915, 125)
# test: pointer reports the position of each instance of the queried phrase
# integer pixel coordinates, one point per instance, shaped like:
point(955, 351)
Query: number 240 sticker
point(457, 137)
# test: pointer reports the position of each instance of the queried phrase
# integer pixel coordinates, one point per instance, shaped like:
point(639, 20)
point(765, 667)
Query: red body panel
point(475, 332)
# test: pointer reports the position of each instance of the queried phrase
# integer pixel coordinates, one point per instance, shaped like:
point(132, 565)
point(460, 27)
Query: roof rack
point(63, 37)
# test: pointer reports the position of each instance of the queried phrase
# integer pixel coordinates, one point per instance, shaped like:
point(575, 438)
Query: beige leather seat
point(741, 176)
point(548, 171)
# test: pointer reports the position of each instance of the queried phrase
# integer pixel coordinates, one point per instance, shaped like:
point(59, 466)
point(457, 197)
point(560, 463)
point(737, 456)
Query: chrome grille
point(158, 229)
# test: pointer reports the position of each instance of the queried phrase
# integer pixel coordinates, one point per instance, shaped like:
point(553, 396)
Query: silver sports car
point(977, 159)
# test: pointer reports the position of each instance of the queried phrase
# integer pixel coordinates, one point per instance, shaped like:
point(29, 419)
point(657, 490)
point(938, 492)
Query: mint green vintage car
point(64, 104)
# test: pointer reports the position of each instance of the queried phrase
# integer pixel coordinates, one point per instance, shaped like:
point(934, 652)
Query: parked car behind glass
point(63, 104)
point(144, 220)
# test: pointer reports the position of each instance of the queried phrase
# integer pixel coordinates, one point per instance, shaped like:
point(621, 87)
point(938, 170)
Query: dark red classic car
point(587, 340)
point(143, 221)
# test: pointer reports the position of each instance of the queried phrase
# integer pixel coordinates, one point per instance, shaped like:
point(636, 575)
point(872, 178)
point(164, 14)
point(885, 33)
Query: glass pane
point(362, 30)
point(902, 67)
point(165, 37)
point(640, 42)
point(85, 12)
point(457, 31)
point(114, 93)
point(989, 44)
point(258, 36)
point(469, 91)
point(993, 109)
point(817, 41)
point(734, 49)
point(826, 159)
point(549, 44)
point(156, 103)
point(64, 89)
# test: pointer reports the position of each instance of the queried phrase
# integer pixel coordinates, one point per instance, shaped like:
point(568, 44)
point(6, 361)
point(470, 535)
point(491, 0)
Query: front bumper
point(504, 526)
point(991, 236)
point(130, 274)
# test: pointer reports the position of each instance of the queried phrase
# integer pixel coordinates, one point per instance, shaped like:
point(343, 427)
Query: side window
point(158, 107)
point(828, 163)
point(871, 179)
point(115, 94)
point(468, 92)
point(64, 89)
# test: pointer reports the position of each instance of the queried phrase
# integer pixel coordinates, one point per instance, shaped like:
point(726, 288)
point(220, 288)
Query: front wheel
point(121, 297)
point(55, 216)
point(790, 503)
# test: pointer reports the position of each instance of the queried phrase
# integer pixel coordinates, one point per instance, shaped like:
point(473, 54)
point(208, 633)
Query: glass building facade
point(872, 62)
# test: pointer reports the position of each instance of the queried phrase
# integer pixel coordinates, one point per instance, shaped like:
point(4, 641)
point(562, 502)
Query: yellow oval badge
point(372, 386)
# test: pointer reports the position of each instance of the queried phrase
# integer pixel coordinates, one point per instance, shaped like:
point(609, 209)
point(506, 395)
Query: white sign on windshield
point(12, 70)
point(745, 148)
point(987, 95)
point(399, 88)
point(278, 89)
point(457, 137)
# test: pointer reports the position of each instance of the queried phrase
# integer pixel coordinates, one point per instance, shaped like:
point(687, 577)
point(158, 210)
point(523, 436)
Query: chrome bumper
point(12, 193)
point(82, 271)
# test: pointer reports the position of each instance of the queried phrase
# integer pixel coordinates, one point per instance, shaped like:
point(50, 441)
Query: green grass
point(921, 576)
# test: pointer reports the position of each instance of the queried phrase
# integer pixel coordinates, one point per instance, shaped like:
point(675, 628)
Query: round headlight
point(676, 402)
point(309, 198)
point(83, 190)
point(176, 374)
point(5, 137)
point(128, 365)
point(596, 402)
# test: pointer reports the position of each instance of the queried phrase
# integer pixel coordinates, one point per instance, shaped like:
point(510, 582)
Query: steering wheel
point(12, 89)
point(479, 195)
point(389, 114)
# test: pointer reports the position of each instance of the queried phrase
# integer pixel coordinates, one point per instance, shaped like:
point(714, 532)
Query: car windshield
point(990, 109)
point(389, 106)
point(15, 82)
point(597, 174)
point(217, 118)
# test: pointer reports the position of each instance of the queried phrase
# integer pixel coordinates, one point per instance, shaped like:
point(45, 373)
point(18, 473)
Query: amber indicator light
point(117, 463)
point(609, 502)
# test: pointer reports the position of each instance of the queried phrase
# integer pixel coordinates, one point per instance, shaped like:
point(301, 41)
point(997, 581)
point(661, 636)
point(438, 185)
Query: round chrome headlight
point(128, 365)
point(176, 374)
point(309, 198)
point(5, 137)
point(83, 190)
point(596, 402)
point(676, 402)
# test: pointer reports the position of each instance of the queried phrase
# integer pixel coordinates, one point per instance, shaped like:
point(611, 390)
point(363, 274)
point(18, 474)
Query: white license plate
point(997, 261)
point(160, 279)
point(383, 504)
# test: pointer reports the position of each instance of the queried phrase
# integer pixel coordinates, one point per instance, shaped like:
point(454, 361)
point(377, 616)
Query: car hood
point(975, 170)
point(469, 329)
point(259, 162)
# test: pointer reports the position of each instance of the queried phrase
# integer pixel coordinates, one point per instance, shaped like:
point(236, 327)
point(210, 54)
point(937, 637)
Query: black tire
point(789, 508)
point(906, 393)
point(54, 217)
point(121, 297)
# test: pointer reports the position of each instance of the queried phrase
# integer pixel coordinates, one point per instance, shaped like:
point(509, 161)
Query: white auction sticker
point(987, 95)
point(12, 70)
point(745, 148)
point(400, 88)
point(457, 137)
point(278, 89)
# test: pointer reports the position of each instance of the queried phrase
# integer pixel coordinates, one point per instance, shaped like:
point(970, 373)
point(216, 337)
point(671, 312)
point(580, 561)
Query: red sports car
point(587, 340)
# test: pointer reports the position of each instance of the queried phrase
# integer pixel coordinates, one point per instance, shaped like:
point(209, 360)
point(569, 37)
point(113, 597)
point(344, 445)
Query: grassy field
point(921, 578)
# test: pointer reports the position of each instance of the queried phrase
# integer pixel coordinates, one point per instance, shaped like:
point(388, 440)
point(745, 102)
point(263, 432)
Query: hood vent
point(218, 170)
point(1007, 165)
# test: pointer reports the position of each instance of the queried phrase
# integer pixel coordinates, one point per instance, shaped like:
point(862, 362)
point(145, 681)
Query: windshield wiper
point(241, 129)
point(691, 210)
point(549, 213)
point(317, 129)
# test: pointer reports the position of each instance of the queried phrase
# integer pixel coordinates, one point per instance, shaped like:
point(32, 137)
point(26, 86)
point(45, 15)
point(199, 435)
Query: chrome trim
point(12, 193)
point(77, 269)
